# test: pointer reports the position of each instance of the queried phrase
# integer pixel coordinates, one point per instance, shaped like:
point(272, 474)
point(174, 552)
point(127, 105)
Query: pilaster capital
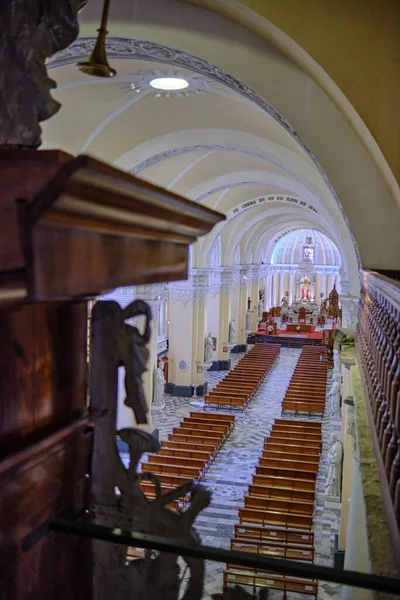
point(195, 289)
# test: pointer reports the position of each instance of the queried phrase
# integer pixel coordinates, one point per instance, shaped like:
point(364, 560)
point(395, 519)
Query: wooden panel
point(45, 449)
point(43, 370)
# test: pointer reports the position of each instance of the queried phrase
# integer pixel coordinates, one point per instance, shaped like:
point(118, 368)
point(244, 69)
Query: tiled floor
point(231, 472)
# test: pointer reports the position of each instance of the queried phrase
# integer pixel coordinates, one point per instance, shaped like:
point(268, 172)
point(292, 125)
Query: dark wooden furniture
point(70, 228)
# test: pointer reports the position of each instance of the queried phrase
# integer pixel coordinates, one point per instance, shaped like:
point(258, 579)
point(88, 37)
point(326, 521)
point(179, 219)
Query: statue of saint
point(209, 348)
point(335, 456)
point(334, 396)
point(260, 308)
point(159, 384)
point(284, 301)
point(336, 360)
point(248, 320)
point(232, 332)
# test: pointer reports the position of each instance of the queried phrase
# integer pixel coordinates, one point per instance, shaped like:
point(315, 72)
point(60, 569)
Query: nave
point(231, 473)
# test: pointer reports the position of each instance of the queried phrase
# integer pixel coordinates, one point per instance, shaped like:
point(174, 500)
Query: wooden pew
point(268, 481)
point(272, 446)
point(298, 435)
point(189, 423)
point(180, 471)
point(221, 417)
point(197, 431)
point(197, 440)
point(279, 462)
point(230, 403)
point(189, 447)
point(205, 457)
point(299, 406)
point(275, 549)
point(297, 423)
point(275, 491)
point(275, 517)
point(287, 470)
point(282, 441)
point(296, 537)
point(289, 455)
point(284, 505)
point(177, 461)
point(262, 579)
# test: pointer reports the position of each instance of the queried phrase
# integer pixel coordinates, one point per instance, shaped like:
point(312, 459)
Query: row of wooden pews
point(277, 516)
point(307, 388)
point(188, 452)
point(238, 388)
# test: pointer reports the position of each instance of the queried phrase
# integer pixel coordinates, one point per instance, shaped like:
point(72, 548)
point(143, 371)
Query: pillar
point(356, 555)
point(291, 287)
point(226, 276)
point(255, 280)
point(281, 287)
point(241, 329)
point(187, 309)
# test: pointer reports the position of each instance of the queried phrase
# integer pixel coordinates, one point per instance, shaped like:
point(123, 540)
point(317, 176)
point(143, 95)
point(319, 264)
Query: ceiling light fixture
point(169, 83)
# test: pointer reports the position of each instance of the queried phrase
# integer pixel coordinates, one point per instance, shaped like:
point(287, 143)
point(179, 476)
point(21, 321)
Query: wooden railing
point(378, 347)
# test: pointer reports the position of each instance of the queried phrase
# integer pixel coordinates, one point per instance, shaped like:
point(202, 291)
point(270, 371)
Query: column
point(281, 287)
point(356, 555)
point(255, 279)
point(241, 328)
point(291, 286)
point(226, 276)
point(187, 334)
point(324, 286)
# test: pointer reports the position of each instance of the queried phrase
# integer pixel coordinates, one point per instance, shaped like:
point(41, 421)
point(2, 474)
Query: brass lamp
point(97, 64)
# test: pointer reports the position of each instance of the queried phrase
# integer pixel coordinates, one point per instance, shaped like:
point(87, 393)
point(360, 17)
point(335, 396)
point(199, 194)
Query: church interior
point(200, 300)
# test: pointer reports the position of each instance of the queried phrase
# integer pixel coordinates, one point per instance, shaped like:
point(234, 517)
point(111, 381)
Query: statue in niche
point(248, 320)
point(334, 396)
point(159, 384)
point(32, 31)
point(208, 355)
point(336, 360)
point(285, 300)
point(335, 457)
point(232, 332)
point(115, 343)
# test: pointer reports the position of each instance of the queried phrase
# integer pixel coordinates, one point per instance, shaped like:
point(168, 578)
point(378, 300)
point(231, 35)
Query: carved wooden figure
point(118, 500)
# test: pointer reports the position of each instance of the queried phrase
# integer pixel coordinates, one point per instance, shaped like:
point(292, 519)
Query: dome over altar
point(305, 245)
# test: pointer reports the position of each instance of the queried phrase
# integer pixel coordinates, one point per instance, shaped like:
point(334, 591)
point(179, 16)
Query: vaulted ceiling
point(218, 142)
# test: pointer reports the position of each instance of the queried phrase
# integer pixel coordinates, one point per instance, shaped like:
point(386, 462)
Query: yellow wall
point(357, 43)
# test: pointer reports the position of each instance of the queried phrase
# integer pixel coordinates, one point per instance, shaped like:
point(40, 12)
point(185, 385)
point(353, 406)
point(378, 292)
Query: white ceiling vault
point(217, 142)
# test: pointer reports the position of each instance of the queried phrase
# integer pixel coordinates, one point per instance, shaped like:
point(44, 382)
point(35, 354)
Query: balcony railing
point(378, 347)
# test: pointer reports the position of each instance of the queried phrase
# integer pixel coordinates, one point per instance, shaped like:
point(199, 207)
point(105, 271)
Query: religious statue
point(32, 31)
point(248, 303)
point(335, 456)
point(248, 320)
point(232, 332)
point(209, 348)
point(159, 384)
point(284, 301)
point(334, 396)
point(336, 360)
point(333, 303)
point(260, 308)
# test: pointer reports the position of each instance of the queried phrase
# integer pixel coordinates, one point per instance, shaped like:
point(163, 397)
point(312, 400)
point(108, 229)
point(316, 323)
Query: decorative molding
point(214, 256)
point(140, 82)
point(150, 51)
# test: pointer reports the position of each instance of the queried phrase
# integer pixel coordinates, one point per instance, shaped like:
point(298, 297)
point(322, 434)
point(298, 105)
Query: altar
point(308, 312)
point(294, 328)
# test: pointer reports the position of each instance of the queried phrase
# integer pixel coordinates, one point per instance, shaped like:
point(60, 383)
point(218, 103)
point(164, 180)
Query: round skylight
point(169, 83)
